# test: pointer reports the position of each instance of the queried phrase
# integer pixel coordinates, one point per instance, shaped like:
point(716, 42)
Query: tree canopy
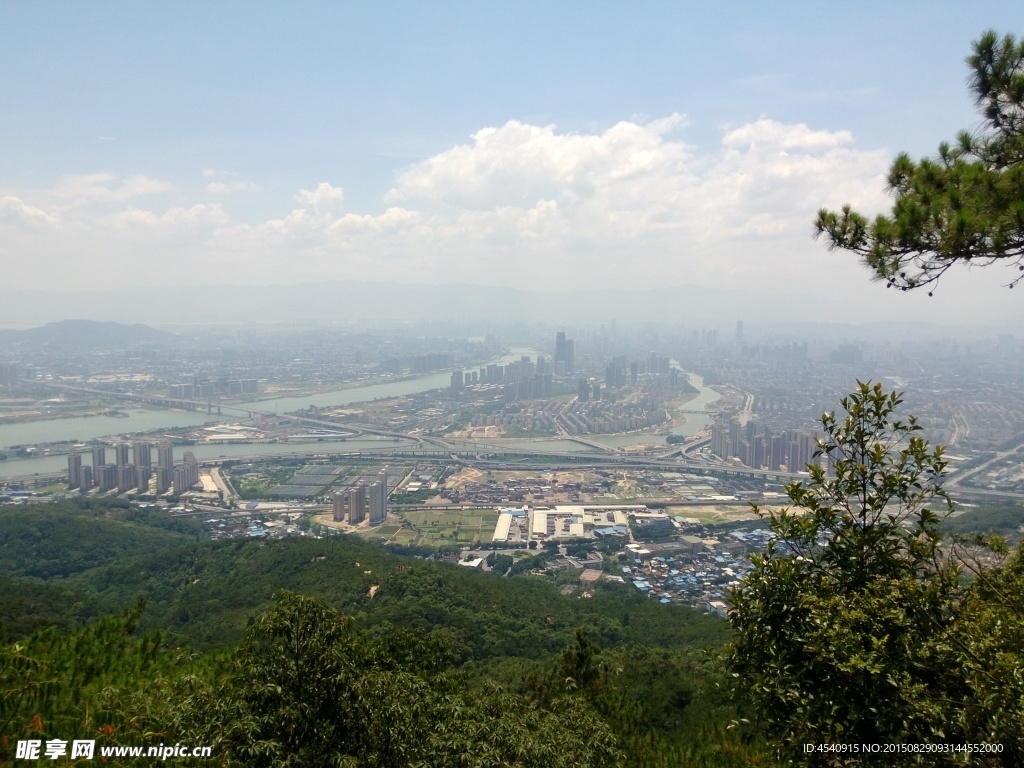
point(857, 624)
point(964, 206)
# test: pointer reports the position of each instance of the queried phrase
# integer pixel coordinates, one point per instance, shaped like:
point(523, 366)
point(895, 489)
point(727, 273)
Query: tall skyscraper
point(99, 458)
point(121, 455)
point(565, 353)
point(338, 507)
point(583, 390)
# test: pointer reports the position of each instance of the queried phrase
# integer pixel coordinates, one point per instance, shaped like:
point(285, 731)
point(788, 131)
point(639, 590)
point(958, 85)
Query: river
point(136, 420)
point(49, 465)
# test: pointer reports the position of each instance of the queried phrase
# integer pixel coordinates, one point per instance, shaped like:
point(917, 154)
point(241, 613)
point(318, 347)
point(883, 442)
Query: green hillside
point(506, 650)
point(59, 540)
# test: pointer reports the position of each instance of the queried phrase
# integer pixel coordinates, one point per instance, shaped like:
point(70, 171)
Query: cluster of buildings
point(759, 448)
point(132, 473)
point(534, 416)
point(524, 379)
point(642, 412)
point(244, 524)
point(198, 390)
point(357, 502)
point(695, 570)
point(8, 374)
point(562, 522)
point(521, 379)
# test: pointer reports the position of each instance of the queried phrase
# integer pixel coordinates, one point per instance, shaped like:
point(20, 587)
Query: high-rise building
point(758, 452)
point(74, 470)
point(125, 478)
point(86, 478)
point(8, 374)
point(141, 454)
point(379, 499)
point(565, 353)
point(778, 453)
point(106, 478)
point(99, 458)
point(191, 465)
point(735, 435)
point(165, 456)
point(180, 482)
point(377, 513)
point(720, 440)
point(583, 390)
point(338, 507)
point(121, 455)
point(164, 479)
point(355, 503)
point(143, 461)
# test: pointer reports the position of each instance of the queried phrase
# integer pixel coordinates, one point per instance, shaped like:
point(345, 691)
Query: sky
point(537, 145)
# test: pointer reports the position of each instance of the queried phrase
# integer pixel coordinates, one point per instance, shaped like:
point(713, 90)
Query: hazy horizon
point(340, 302)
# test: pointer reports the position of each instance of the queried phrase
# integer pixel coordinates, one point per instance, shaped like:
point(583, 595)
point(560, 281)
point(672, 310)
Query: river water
point(82, 428)
point(144, 420)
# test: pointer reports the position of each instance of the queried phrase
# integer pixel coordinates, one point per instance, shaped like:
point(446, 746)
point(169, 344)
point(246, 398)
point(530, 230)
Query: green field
point(444, 527)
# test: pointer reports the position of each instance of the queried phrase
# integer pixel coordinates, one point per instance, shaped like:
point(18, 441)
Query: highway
point(676, 459)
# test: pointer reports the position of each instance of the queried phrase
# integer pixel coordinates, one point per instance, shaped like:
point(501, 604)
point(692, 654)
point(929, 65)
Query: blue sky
point(531, 144)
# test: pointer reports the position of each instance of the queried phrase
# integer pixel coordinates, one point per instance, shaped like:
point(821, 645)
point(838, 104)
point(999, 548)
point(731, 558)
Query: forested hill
point(84, 334)
point(205, 593)
point(644, 670)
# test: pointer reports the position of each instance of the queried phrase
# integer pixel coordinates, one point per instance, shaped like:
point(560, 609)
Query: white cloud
point(14, 210)
point(774, 135)
point(519, 163)
point(196, 216)
point(323, 198)
point(230, 187)
point(105, 187)
point(518, 204)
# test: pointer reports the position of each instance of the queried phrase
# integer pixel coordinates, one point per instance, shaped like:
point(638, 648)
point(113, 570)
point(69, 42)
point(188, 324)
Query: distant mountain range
point(85, 334)
point(362, 301)
point(481, 306)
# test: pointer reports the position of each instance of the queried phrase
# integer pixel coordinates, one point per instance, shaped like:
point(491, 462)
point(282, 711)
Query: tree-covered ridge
point(59, 540)
point(308, 687)
point(205, 593)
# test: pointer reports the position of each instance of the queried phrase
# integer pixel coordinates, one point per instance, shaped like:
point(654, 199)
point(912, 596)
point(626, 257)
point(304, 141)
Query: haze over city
point(520, 146)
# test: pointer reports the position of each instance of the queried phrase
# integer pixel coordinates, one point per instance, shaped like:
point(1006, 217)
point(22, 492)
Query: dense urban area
point(601, 455)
